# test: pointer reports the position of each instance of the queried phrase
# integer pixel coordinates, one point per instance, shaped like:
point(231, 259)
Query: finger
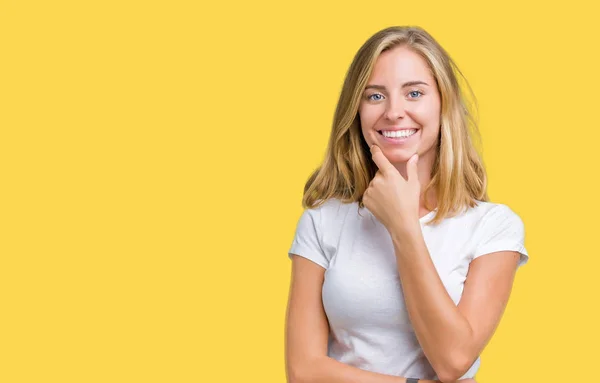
point(376, 178)
point(380, 160)
point(411, 168)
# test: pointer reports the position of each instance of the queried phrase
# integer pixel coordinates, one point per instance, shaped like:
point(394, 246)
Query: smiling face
point(400, 107)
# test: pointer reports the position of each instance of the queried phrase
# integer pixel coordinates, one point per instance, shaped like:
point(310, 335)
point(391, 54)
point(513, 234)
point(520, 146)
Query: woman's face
point(401, 96)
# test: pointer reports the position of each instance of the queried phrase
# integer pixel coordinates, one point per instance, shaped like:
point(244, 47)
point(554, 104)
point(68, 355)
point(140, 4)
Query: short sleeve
point(501, 230)
point(307, 242)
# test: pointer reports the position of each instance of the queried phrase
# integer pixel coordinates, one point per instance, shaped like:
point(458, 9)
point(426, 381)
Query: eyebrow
point(409, 83)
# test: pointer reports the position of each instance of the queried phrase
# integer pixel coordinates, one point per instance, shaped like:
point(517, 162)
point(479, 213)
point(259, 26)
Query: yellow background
point(153, 155)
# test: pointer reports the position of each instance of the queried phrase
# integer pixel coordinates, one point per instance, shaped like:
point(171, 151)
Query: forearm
point(329, 370)
point(443, 332)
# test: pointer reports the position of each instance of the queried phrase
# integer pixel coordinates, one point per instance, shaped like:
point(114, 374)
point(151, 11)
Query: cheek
point(427, 114)
point(368, 116)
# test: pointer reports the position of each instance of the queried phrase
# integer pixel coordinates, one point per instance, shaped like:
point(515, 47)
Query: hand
point(393, 200)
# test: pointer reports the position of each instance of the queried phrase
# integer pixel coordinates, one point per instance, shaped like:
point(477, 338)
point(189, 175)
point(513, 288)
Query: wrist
point(406, 231)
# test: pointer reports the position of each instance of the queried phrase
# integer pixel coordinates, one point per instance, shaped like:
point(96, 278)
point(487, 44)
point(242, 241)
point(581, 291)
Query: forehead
point(400, 64)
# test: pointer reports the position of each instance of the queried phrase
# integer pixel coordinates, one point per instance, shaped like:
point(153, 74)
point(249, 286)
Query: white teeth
point(400, 133)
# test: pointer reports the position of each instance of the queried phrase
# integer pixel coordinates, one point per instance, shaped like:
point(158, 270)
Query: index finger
point(380, 160)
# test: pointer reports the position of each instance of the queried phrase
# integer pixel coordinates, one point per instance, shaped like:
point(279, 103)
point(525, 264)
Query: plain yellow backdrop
point(153, 155)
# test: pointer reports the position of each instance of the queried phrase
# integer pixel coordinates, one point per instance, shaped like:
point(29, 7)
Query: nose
point(394, 110)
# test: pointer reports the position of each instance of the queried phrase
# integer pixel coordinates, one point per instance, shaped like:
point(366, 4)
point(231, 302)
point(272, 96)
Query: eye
point(375, 94)
point(417, 92)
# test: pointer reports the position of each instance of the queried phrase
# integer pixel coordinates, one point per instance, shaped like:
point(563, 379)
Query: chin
point(399, 155)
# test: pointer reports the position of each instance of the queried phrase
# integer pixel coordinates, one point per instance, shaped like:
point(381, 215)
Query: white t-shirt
point(362, 295)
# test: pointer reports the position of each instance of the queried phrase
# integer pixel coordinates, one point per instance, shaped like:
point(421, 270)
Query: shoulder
point(491, 212)
point(333, 216)
point(499, 228)
point(484, 213)
point(332, 209)
point(487, 220)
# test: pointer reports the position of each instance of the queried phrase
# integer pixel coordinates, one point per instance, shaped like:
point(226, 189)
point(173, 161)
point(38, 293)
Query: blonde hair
point(458, 174)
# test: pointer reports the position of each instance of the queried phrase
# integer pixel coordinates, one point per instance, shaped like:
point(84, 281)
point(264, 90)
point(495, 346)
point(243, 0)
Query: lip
point(399, 140)
point(397, 129)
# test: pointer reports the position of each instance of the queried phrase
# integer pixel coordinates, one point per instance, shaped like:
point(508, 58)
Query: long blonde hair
point(458, 174)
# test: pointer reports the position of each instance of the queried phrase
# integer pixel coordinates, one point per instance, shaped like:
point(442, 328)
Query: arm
point(452, 336)
point(307, 333)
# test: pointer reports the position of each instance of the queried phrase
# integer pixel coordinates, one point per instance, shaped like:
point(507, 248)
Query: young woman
point(401, 267)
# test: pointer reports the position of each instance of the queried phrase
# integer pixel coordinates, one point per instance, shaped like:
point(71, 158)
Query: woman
point(401, 267)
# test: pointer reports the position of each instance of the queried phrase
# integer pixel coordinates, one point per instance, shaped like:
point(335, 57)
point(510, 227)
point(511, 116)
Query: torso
point(362, 293)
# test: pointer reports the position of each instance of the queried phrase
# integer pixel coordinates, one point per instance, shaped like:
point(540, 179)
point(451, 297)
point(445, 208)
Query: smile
point(398, 136)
